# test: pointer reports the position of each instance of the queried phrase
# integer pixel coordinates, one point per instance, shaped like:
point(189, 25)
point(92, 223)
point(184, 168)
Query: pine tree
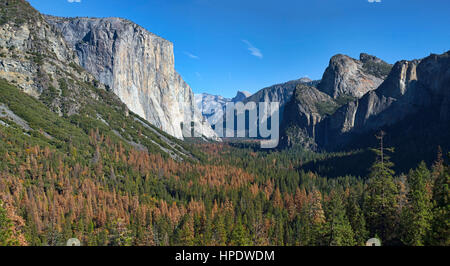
point(219, 231)
point(185, 234)
point(338, 231)
point(310, 223)
point(147, 237)
point(381, 201)
point(417, 215)
point(440, 225)
point(240, 235)
point(6, 229)
point(357, 218)
point(120, 234)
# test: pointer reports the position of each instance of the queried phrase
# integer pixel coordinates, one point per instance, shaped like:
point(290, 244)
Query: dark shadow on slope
point(416, 138)
point(356, 163)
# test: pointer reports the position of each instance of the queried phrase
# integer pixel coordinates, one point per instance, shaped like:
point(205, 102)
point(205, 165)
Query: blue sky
point(222, 46)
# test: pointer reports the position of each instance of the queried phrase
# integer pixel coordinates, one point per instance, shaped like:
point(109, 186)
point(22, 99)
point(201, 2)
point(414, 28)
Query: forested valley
point(105, 192)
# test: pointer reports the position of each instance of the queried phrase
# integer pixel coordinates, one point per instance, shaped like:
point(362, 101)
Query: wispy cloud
point(193, 56)
point(74, 1)
point(253, 50)
point(374, 1)
point(198, 75)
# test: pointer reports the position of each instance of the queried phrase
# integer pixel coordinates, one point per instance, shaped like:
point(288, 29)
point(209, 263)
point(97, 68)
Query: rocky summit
point(346, 76)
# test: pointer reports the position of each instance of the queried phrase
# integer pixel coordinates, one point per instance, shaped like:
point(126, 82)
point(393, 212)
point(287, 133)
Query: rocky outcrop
point(36, 58)
point(346, 76)
point(138, 66)
point(281, 93)
point(306, 109)
point(213, 106)
point(391, 102)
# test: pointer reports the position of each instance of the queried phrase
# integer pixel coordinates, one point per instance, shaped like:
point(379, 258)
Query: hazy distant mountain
point(241, 96)
point(212, 107)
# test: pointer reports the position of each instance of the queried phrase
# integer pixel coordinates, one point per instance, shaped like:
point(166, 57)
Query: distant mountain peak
point(241, 96)
point(305, 80)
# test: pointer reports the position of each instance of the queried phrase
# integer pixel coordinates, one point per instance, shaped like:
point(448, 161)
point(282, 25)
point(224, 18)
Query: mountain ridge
point(409, 88)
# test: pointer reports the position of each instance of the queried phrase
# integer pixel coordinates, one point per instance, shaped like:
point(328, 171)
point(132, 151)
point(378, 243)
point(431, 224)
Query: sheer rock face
point(138, 66)
point(368, 112)
point(346, 76)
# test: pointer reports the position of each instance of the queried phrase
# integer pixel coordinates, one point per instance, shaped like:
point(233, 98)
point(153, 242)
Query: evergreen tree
point(440, 225)
point(417, 215)
point(6, 229)
point(311, 223)
point(240, 235)
point(356, 218)
point(120, 234)
point(338, 231)
point(381, 200)
point(54, 237)
point(219, 231)
point(185, 234)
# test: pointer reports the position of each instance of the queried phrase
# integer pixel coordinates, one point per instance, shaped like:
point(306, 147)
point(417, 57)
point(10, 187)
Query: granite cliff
point(137, 66)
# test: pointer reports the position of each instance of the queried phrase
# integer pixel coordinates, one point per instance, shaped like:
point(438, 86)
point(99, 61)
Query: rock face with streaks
point(138, 66)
